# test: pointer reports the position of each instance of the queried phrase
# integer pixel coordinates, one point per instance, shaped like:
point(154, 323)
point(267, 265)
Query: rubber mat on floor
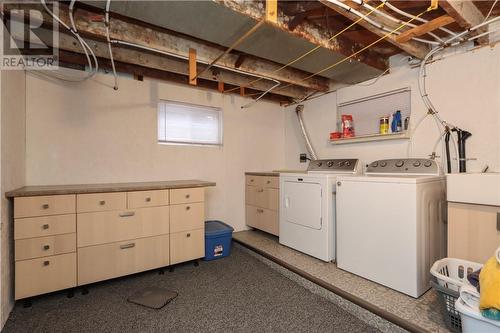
point(153, 297)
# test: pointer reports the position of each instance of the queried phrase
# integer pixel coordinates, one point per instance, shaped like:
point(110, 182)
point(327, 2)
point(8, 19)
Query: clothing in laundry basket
point(492, 314)
point(489, 279)
point(473, 279)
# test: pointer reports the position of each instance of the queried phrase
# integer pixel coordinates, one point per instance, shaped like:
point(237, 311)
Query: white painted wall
point(12, 164)
point(89, 133)
point(464, 87)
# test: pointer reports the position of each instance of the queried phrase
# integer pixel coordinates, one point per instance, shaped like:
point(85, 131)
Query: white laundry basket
point(473, 321)
point(449, 275)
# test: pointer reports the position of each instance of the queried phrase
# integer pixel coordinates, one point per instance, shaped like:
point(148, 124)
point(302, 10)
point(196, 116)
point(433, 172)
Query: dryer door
point(302, 203)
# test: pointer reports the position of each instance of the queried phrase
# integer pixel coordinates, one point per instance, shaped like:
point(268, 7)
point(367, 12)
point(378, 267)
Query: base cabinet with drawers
point(67, 240)
point(262, 202)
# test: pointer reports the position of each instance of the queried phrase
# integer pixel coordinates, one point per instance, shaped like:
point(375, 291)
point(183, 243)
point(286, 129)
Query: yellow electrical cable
point(310, 51)
point(359, 51)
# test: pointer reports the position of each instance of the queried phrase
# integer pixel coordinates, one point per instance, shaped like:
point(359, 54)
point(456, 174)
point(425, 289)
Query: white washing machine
point(307, 207)
point(391, 223)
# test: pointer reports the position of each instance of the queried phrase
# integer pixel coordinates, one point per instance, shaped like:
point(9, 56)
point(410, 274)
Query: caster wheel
point(85, 291)
point(27, 304)
point(71, 293)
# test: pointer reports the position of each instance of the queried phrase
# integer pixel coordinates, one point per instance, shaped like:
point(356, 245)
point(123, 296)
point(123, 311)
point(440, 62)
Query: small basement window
point(189, 124)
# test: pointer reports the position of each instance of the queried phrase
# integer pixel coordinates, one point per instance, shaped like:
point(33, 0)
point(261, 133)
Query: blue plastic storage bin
point(218, 237)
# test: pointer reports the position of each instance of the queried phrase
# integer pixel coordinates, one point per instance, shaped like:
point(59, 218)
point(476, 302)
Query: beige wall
point(89, 133)
point(464, 87)
point(12, 174)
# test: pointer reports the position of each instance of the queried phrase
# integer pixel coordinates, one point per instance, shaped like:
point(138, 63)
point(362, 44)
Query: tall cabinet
point(66, 237)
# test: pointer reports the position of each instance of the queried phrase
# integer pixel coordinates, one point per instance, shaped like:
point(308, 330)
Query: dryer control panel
point(334, 166)
point(404, 166)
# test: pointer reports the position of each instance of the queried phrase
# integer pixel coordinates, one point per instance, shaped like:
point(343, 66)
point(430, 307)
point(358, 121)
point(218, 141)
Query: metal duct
point(309, 146)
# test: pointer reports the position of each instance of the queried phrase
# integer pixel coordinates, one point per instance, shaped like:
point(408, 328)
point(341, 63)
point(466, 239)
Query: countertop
point(28, 191)
point(274, 173)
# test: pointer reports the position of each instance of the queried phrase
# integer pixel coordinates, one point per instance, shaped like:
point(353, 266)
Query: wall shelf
point(371, 138)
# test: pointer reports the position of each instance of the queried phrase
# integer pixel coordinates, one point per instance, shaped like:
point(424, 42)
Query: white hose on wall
point(309, 147)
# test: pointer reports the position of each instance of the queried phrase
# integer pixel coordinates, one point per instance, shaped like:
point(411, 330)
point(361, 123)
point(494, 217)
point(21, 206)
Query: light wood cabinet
point(473, 231)
point(262, 203)
point(63, 241)
point(106, 227)
point(187, 245)
point(102, 262)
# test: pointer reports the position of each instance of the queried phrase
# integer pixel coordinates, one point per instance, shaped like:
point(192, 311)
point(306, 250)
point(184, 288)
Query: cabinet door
point(473, 231)
point(257, 196)
point(187, 245)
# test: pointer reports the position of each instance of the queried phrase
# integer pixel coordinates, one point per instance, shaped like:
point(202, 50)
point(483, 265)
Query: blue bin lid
point(217, 228)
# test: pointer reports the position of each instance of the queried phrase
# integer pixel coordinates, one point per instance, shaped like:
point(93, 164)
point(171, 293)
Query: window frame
point(219, 110)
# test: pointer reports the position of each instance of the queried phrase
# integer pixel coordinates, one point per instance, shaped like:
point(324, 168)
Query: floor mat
point(154, 297)
point(234, 294)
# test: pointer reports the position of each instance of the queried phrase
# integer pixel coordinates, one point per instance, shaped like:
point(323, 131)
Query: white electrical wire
point(106, 23)
point(408, 15)
point(86, 49)
point(490, 11)
point(376, 24)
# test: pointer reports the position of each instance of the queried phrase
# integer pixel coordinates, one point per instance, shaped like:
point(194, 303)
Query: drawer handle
point(187, 196)
point(260, 190)
point(46, 263)
point(188, 235)
point(188, 207)
point(45, 226)
point(127, 246)
point(102, 202)
point(127, 214)
point(498, 221)
point(46, 247)
point(268, 182)
point(148, 199)
point(251, 180)
point(45, 206)
point(260, 211)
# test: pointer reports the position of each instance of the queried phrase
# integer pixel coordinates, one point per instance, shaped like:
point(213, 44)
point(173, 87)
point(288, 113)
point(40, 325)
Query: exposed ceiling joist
point(413, 48)
point(422, 29)
point(162, 63)
point(466, 14)
point(310, 32)
point(174, 43)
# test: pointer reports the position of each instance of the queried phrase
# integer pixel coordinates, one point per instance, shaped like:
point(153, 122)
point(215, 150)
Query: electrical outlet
point(303, 158)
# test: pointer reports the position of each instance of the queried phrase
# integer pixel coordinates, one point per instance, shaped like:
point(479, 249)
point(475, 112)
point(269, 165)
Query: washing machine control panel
point(409, 166)
point(333, 166)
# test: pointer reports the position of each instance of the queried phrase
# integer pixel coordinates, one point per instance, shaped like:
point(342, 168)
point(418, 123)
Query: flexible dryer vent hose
point(309, 146)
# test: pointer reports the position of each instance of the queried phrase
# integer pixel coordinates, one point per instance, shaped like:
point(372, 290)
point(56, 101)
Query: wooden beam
point(171, 42)
point(466, 14)
point(220, 86)
point(413, 48)
point(192, 67)
point(297, 20)
point(272, 11)
point(158, 62)
point(422, 29)
point(310, 32)
point(239, 61)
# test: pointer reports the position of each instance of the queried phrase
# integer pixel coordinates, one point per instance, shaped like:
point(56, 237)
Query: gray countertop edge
point(269, 174)
point(41, 190)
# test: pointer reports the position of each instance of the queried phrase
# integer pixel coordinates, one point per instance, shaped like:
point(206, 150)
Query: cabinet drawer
point(44, 205)
point(44, 246)
point(187, 195)
point(138, 199)
point(256, 196)
point(97, 202)
point(271, 182)
point(44, 226)
point(44, 275)
point(101, 262)
point(187, 217)
point(263, 219)
point(187, 245)
point(105, 227)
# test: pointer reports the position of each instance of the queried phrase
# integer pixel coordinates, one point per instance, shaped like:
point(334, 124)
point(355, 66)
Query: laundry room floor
point(421, 314)
point(234, 294)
